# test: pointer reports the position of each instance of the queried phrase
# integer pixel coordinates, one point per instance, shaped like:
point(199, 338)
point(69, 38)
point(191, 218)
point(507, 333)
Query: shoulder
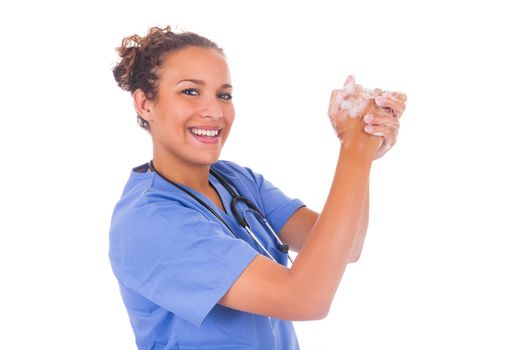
point(146, 223)
point(145, 193)
point(147, 202)
point(150, 213)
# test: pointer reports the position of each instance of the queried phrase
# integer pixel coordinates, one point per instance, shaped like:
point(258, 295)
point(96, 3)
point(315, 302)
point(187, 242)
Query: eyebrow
point(201, 82)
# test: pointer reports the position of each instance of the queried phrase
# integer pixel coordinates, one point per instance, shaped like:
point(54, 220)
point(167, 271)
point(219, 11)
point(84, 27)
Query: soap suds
point(355, 98)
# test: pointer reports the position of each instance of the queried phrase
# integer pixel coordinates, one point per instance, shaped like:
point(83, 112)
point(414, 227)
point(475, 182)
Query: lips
point(207, 135)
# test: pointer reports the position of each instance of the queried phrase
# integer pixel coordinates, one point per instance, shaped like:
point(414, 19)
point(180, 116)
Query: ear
point(143, 105)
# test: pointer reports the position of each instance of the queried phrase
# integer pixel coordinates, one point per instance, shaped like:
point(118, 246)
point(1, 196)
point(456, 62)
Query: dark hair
point(141, 57)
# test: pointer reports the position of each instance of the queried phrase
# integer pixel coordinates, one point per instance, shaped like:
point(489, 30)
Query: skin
point(385, 122)
point(194, 90)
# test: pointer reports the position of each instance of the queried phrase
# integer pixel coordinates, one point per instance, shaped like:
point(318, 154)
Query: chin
point(208, 159)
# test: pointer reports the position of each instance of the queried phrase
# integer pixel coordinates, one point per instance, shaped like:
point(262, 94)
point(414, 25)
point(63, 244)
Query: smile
point(205, 132)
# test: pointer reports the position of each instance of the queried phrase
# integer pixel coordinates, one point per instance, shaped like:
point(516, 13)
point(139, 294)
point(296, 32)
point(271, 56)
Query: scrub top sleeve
point(277, 206)
point(197, 266)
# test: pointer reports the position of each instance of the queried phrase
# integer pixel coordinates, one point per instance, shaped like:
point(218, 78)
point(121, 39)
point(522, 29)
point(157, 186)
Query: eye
point(225, 96)
point(190, 92)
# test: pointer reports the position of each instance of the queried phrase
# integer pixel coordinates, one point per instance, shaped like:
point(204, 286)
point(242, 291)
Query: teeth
point(202, 132)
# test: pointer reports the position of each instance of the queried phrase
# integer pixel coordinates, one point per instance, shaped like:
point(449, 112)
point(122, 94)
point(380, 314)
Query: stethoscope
point(241, 219)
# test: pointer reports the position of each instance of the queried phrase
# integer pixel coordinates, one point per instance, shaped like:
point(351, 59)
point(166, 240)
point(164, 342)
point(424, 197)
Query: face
point(192, 115)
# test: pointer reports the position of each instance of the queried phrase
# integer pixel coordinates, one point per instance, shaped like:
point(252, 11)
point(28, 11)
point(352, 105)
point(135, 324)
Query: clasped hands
point(356, 111)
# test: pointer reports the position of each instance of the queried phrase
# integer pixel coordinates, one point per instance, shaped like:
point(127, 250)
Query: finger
point(350, 80)
point(382, 124)
point(385, 126)
point(382, 117)
point(386, 112)
point(388, 133)
point(388, 142)
point(382, 150)
point(335, 102)
point(395, 94)
point(399, 96)
point(385, 101)
point(395, 100)
point(349, 86)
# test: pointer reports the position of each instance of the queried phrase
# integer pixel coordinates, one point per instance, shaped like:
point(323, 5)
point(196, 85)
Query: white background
point(443, 264)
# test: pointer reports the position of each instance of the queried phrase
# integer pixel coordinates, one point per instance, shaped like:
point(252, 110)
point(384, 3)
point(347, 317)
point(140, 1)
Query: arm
point(363, 228)
point(385, 122)
point(298, 227)
point(300, 224)
point(306, 290)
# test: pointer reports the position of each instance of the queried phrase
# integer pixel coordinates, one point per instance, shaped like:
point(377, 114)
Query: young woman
point(191, 276)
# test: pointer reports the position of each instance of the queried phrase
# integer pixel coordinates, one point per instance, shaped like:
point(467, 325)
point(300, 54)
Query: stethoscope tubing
point(257, 213)
point(236, 197)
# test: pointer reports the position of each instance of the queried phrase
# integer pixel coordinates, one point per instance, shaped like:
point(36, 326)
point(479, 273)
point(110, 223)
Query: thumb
point(335, 102)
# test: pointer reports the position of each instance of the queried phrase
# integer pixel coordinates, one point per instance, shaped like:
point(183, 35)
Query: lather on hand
point(379, 111)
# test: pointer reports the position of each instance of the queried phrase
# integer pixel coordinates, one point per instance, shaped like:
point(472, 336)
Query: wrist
point(353, 154)
point(361, 150)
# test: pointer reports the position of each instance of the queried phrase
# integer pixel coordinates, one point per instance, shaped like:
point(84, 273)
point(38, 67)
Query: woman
point(190, 276)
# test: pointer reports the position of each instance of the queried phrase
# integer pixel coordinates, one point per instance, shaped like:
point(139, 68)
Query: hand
point(385, 120)
point(346, 111)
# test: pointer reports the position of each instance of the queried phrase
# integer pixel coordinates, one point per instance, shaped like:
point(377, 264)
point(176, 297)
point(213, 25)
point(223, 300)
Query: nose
point(211, 109)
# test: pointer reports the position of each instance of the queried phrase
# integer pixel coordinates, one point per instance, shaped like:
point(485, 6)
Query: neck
point(195, 177)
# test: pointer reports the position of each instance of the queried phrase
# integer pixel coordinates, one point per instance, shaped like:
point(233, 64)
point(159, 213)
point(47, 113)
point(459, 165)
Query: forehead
point(195, 63)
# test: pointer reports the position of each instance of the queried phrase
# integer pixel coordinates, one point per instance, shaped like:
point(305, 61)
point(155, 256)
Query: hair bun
point(141, 57)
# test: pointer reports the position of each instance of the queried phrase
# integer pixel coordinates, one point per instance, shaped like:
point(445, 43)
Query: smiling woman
point(199, 245)
point(191, 115)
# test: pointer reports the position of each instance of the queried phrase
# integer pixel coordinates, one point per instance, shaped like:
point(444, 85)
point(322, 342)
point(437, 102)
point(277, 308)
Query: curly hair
point(141, 57)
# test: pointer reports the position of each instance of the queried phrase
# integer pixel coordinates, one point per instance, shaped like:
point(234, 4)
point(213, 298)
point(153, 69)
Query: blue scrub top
point(174, 260)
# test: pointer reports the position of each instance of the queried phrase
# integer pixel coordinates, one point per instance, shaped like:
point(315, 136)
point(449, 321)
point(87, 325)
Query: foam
point(355, 98)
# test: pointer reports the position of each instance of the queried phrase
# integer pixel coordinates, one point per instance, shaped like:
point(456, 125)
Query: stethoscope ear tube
point(283, 248)
point(236, 197)
point(240, 218)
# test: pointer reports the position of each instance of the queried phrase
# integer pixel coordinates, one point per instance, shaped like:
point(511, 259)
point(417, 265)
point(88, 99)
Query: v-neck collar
point(224, 196)
point(226, 199)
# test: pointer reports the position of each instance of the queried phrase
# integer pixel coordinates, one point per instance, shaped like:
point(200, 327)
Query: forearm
point(320, 265)
point(363, 227)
